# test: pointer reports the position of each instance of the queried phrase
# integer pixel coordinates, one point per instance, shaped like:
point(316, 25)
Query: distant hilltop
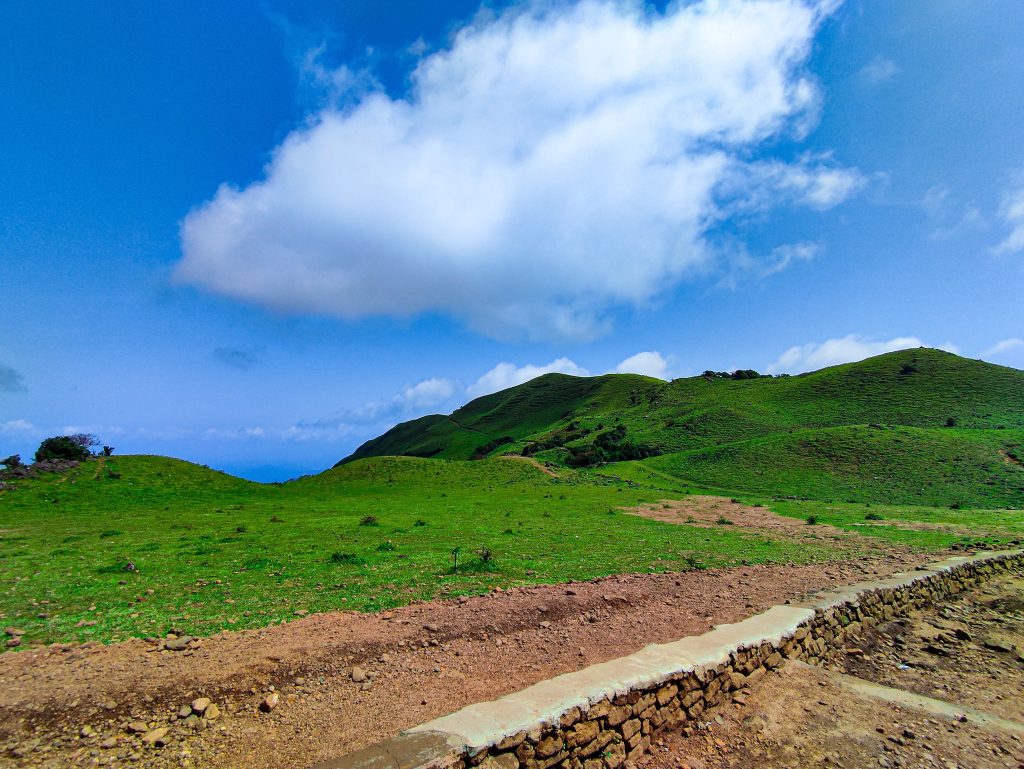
point(924, 418)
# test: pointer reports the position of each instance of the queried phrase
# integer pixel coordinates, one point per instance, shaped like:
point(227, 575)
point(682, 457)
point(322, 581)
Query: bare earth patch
point(706, 510)
point(59, 705)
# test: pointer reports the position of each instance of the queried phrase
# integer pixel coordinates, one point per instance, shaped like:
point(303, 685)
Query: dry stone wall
point(606, 715)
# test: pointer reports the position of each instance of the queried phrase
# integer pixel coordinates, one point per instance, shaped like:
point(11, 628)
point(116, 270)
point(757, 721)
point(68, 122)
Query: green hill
point(953, 429)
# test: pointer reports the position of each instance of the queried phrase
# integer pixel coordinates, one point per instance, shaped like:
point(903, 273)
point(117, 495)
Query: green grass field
point(218, 552)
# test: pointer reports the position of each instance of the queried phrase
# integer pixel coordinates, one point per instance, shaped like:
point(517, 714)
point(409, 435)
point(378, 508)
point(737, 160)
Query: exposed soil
point(421, 662)
point(863, 708)
point(705, 510)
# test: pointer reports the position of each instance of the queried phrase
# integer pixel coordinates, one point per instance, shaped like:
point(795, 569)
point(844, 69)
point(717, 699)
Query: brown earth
point(705, 510)
point(59, 705)
point(940, 688)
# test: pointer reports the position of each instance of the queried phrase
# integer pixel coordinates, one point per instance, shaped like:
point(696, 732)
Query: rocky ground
point(325, 685)
point(941, 688)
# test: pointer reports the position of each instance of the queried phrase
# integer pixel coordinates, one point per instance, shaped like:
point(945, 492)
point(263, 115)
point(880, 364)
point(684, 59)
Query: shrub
point(420, 522)
point(812, 520)
point(872, 517)
point(347, 558)
point(723, 521)
point(14, 460)
point(386, 546)
point(369, 520)
point(485, 554)
point(107, 451)
point(950, 421)
point(68, 447)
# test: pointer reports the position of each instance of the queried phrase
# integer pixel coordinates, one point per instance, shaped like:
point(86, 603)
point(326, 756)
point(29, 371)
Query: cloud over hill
point(555, 162)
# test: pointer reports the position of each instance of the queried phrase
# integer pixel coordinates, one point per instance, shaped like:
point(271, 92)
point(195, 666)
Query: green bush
point(66, 447)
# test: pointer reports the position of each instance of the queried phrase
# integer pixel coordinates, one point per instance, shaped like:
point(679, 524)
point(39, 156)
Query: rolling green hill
point(914, 427)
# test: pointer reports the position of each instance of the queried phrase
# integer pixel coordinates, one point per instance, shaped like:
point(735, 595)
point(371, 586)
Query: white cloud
point(1003, 347)
point(647, 363)
point(810, 357)
point(506, 375)
point(241, 433)
point(815, 182)
point(555, 162)
point(1011, 211)
point(879, 70)
point(426, 394)
point(16, 426)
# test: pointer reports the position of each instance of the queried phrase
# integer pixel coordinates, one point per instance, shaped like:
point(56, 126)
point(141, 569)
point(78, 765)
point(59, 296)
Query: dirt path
point(420, 662)
point(940, 688)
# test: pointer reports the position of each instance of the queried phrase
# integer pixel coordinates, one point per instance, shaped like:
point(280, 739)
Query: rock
point(138, 727)
point(200, 705)
point(184, 711)
point(543, 609)
point(270, 702)
point(87, 731)
point(178, 644)
point(14, 631)
point(12, 642)
point(157, 737)
point(430, 626)
point(991, 645)
point(110, 742)
point(301, 612)
point(545, 624)
point(358, 675)
point(212, 712)
point(85, 623)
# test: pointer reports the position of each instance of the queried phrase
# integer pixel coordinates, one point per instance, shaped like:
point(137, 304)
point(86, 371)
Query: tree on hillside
point(70, 447)
point(14, 460)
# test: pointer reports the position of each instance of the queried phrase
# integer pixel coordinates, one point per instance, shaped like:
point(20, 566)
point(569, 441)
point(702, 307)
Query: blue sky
point(256, 235)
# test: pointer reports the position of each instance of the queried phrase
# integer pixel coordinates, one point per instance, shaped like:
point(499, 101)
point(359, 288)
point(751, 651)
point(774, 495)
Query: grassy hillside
point(138, 545)
point(960, 425)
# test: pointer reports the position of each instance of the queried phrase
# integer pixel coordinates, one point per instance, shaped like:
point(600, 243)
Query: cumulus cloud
point(1011, 211)
point(554, 162)
point(506, 375)
point(647, 363)
point(10, 380)
point(810, 357)
point(1003, 347)
point(879, 70)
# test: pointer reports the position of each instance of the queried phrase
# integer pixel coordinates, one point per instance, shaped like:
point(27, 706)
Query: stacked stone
point(614, 731)
point(619, 729)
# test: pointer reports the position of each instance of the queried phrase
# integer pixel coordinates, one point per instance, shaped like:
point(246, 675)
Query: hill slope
point(968, 418)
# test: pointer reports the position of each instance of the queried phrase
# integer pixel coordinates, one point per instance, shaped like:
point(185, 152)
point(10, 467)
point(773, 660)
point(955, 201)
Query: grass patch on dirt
point(927, 528)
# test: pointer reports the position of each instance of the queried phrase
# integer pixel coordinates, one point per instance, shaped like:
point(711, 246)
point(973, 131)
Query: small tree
point(68, 447)
point(108, 450)
point(14, 460)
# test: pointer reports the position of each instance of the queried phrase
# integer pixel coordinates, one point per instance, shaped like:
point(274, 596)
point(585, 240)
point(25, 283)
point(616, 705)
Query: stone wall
point(606, 715)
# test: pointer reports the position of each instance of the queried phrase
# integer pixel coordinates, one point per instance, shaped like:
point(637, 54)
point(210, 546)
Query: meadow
point(137, 545)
